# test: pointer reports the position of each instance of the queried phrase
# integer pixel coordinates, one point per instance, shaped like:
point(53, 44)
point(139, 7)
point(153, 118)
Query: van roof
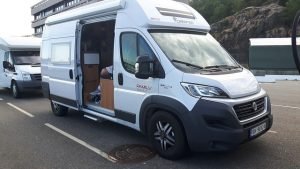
point(86, 11)
point(7, 43)
point(272, 41)
point(151, 13)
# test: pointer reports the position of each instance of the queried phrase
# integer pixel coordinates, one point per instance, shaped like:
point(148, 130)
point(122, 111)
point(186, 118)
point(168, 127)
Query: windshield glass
point(194, 50)
point(26, 57)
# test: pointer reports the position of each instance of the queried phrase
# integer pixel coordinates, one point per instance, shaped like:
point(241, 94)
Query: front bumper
point(214, 126)
point(29, 85)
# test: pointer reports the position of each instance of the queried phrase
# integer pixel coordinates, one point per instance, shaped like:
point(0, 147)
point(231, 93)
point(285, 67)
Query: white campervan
point(20, 68)
point(171, 79)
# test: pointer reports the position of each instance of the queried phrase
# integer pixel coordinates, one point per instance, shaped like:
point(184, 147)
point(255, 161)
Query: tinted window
point(6, 57)
point(144, 49)
point(129, 50)
point(132, 46)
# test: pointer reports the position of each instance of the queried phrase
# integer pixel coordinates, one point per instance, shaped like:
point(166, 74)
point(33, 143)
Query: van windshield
point(26, 57)
point(190, 51)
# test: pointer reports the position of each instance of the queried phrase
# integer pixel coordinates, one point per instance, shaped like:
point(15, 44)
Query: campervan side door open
point(61, 68)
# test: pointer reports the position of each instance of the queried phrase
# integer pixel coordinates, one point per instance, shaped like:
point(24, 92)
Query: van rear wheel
point(167, 135)
point(15, 90)
point(58, 110)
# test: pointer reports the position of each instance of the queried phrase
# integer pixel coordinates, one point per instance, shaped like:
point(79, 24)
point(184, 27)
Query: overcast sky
point(15, 17)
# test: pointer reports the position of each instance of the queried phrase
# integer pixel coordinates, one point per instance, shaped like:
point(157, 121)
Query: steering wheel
point(296, 40)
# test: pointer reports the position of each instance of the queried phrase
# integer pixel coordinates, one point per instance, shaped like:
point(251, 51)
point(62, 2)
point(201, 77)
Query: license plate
point(258, 129)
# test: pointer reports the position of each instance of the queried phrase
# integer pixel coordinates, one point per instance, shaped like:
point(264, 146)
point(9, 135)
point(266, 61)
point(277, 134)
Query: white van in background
point(20, 68)
point(171, 79)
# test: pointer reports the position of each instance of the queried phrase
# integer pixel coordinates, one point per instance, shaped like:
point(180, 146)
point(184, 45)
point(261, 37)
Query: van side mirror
point(144, 67)
point(7, 65)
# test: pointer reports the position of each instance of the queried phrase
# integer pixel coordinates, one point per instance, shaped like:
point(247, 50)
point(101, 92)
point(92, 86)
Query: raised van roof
point(146, 13)
point(7, 43)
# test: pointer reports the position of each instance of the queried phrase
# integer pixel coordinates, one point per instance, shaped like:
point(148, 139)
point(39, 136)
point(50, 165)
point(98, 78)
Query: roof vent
point(175, 13)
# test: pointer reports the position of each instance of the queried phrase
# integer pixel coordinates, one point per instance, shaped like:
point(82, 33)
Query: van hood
point(28, 69)
point(236, 85)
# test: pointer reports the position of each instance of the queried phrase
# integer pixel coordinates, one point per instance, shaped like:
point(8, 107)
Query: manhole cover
point(131, 153)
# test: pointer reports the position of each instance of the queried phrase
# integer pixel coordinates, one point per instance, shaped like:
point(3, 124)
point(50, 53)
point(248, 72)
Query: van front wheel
point(15, 90)
point(58, 110)
point(167, 135)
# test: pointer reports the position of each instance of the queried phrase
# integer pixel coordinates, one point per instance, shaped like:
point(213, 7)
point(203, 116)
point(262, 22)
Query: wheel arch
point(152, 104)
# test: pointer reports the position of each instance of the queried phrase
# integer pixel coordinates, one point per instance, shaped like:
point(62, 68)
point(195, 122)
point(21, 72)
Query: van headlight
point(198, 91)
point(26, 76)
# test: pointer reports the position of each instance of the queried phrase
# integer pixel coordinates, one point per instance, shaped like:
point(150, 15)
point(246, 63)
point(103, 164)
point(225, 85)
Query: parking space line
point(83, 143)
point(273, 132)
point(291, 107)
point(20, 110)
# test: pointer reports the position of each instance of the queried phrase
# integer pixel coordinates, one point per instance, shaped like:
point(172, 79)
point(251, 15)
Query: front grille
point(36, 77)
point(250, 109)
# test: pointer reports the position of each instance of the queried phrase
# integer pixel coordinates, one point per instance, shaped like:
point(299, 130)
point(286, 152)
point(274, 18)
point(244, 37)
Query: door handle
point(120, 79)
point(71, 73)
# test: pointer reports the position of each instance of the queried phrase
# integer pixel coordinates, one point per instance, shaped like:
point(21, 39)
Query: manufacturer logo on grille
point(254, 106)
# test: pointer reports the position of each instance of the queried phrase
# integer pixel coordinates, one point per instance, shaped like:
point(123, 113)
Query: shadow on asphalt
point(102, 133)
point(242, 153)
point(25, 95)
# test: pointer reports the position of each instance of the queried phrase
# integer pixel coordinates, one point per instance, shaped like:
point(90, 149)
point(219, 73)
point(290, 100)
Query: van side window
point(143, 48)
point(8, 58)
point(132, 46)
point(61, 53)
point(129, 50)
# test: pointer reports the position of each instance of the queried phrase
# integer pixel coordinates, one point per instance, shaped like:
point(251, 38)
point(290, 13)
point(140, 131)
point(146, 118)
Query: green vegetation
point(215, 10)
point(292, 7)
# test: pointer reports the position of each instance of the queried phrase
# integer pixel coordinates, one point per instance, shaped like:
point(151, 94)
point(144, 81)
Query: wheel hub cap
point(164, 134)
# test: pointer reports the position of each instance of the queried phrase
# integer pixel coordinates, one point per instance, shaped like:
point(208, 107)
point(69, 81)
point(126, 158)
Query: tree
point(292, 6)
point(215, 10)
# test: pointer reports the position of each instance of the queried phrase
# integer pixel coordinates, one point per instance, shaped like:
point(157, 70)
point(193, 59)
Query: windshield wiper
point(187, 64)
point(222, 66)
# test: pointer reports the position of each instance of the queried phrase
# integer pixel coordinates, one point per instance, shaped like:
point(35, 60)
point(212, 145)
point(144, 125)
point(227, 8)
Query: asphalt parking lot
point(32, 137)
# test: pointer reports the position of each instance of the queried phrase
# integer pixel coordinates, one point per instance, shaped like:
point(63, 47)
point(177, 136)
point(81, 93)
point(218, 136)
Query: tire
point(15, 90)
point(167, 136)
point(58, 110)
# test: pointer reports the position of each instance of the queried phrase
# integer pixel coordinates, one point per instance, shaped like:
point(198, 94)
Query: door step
point(94, 118)
point(91, 117)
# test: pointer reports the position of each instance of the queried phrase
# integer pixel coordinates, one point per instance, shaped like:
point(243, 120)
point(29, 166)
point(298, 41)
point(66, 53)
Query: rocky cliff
point(235, 31)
